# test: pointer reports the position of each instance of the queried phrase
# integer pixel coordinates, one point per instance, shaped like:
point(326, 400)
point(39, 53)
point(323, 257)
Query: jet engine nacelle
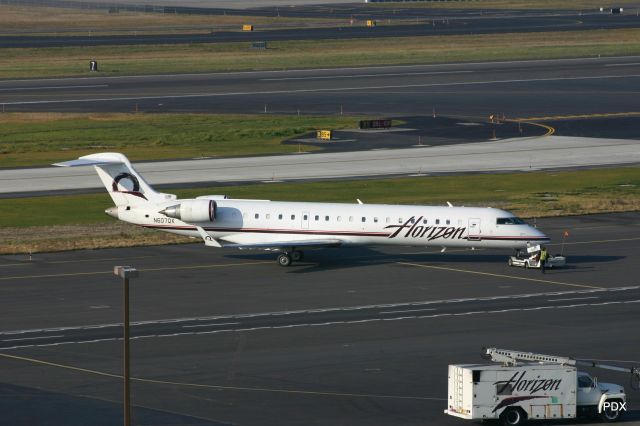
point(193, 211)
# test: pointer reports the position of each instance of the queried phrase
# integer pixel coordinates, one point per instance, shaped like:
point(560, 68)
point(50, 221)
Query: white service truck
point(542, 387)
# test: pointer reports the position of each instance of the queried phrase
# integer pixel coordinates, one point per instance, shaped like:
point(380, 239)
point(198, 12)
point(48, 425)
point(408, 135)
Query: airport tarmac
point(517, 89)
point(349, 336)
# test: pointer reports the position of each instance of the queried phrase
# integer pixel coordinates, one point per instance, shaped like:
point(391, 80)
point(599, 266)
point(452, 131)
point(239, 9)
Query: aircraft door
point(305, 220)
point(474, 230)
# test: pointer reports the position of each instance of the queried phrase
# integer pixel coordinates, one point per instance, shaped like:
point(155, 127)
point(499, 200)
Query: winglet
point(208, 239)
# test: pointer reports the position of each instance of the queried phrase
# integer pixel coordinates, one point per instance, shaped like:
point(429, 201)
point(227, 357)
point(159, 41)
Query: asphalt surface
point(360, 336)
point(516, 89)
point(517, 155)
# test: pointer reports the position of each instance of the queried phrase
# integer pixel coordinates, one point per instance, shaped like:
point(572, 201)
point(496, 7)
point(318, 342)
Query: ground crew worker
point(543, 258)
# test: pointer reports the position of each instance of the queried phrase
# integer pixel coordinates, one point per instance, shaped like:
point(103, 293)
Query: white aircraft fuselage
point(289, 227)
point(251, 222)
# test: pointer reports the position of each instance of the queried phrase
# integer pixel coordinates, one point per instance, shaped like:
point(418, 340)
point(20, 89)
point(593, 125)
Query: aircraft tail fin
point(124, 184)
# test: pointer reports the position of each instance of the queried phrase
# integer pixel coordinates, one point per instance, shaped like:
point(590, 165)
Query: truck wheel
point(608, 415)
point(526, 264)
point(512, 417)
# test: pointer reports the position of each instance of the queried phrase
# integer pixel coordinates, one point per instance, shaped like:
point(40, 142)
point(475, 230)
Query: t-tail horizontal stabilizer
point(124, 184)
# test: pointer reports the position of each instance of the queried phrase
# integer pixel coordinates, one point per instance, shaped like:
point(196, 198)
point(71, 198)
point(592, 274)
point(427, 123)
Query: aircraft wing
point(277, 245)
point(269, 245)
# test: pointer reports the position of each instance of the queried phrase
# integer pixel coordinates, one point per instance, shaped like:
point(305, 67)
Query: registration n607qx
point(290, 227)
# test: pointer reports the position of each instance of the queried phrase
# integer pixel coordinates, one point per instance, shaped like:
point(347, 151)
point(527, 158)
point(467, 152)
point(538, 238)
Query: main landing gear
point(285, 259)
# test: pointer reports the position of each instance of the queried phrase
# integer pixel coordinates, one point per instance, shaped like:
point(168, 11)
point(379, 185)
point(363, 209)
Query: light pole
point(126, 272)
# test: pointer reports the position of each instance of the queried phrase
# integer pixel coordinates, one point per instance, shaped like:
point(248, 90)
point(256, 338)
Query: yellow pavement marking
point(57, 262)
point(595, 241)
point(550, 130)
point(218, 387)
point(566, 117)
point(466, 271)
point(171, 268)
point(102, 259)
point(72, 274)
point(15, 264)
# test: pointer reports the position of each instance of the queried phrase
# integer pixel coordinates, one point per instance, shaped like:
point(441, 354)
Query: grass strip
point(56, 21)
point(73, 222)
point(31, 139)
point(595, 5)
point(217, 57)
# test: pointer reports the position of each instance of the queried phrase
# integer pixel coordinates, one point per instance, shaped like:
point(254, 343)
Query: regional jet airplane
point(290, 227)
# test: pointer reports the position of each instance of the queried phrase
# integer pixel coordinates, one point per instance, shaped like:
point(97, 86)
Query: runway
point(517, 155)
point(359, 336)
point(514, 88)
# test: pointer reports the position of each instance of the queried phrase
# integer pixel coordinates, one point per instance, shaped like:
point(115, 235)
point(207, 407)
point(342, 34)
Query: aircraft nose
point(542, 236)
point(112, 211)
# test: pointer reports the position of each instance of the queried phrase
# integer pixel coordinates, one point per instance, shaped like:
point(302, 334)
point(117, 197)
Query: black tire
point(297, 255)
point(284, 259)
point(513, 416)
point(610, 416)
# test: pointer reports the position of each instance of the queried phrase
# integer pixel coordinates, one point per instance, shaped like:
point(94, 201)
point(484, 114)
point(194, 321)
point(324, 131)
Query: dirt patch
point(75, 237)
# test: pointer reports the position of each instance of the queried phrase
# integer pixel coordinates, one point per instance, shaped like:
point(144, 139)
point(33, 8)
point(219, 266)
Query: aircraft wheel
point(284, 259)
point(297, 255)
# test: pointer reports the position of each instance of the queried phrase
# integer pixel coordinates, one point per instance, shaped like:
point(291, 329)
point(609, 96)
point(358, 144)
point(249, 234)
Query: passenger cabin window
point(448, 222)
point(280, 217)
point(509, 221)
point(326, 218)
point(257, 216)
point(305, 217)
point(399, 220)
point(317, 217)
point(424, 221)
point(364, 219)
point(293, 216)
point(437, 221)
point(412, 220)
point(375, 220)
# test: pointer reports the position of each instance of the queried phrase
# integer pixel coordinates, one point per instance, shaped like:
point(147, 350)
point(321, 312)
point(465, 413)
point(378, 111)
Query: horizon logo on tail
point(134, 183)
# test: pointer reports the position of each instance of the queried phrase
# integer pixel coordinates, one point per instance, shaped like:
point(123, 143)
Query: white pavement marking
point(13, 89)
point(329, 77)
point(316, 90)
point(333, 322)
point(574, 298)
point(32, 338)
point(211, 324)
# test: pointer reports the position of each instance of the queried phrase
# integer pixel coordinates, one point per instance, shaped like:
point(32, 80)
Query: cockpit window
point(509, 221)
